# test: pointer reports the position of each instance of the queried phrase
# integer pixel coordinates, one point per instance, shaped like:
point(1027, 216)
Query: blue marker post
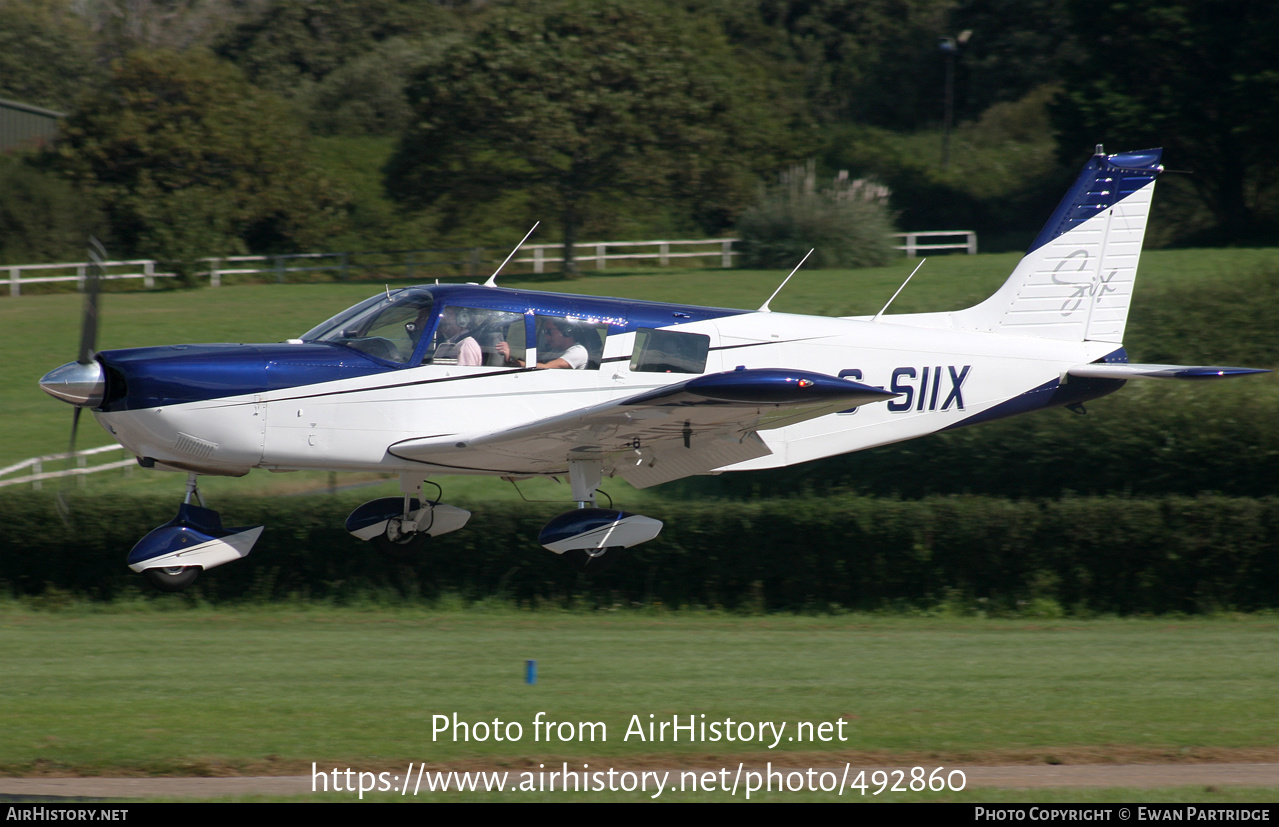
point(530, 671)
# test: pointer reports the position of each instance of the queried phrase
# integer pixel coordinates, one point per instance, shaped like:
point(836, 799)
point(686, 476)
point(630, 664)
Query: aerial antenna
point(492, 282)
point(899, 289)
point(763, 308)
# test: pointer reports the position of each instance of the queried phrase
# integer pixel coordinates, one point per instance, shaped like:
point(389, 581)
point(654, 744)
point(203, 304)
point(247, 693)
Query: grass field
point(161, 688)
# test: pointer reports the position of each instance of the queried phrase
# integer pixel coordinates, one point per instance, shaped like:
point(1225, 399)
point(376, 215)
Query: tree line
point(213, 127)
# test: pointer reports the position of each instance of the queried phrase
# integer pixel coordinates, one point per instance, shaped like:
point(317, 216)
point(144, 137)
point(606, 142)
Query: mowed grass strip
point(210, 692)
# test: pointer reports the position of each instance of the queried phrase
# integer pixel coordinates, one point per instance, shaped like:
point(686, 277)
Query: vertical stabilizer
point(1076, 281)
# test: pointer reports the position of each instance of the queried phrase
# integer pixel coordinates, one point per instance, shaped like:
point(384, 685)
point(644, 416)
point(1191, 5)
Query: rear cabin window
point(669, 351)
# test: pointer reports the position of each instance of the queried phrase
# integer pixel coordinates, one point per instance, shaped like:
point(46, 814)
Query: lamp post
point(950, 47)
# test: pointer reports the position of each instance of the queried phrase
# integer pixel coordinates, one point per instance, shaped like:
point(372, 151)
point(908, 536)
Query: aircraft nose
point(76, 382)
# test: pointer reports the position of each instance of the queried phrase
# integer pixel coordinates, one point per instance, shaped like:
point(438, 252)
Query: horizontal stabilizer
point(1127, 370)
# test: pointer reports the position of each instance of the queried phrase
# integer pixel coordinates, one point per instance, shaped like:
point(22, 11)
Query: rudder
point(1075, 282)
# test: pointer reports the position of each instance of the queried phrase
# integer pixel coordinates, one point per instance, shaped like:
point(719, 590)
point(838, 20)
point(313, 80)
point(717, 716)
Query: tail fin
point(1075, 283)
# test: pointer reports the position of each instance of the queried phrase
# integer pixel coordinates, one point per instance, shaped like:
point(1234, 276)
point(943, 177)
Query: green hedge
point(1151, 438)
point(1172, 554)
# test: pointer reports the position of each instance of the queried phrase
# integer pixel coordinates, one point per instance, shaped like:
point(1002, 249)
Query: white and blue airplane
point(476, 379)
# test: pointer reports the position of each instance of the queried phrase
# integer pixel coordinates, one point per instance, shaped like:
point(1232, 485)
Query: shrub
point(847, 223)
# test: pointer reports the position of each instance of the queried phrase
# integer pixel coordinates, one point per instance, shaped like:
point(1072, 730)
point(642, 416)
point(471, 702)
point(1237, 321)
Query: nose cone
point(77, 383)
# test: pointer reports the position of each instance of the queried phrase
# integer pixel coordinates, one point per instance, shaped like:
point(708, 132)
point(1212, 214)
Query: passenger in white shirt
point(563, 349)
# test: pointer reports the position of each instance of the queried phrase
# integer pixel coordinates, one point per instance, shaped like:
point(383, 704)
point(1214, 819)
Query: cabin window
point(471, 336)
point(669, 351)
point(569, 342)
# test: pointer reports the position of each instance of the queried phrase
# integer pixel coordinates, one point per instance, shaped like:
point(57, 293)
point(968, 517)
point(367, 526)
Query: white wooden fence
point(142, 268)
point(470, 261)
point(36, 474)
point(912, 245)
point(598, 252)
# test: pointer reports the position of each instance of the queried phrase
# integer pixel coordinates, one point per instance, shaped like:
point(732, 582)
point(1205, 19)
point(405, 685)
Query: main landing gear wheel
point(172, 578)
point(398, 544)
point(594, 559)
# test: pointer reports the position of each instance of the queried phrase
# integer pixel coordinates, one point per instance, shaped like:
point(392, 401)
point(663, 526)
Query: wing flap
point(678, 430)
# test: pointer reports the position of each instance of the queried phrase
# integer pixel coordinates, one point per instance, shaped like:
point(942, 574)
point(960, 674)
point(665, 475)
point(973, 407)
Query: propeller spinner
point(82, 382)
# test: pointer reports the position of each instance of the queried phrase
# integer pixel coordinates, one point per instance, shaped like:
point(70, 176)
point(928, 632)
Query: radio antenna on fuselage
point(763, 308)
point(492, 282)
point(899, 289)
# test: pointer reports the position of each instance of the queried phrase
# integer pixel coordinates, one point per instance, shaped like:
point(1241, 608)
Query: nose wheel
point(172, 578)
point(172, 556)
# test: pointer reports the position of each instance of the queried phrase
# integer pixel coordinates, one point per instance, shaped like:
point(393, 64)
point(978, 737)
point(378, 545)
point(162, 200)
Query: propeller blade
point(93, 282)
point(88, 341)
point(75, 426)
point(63, 507)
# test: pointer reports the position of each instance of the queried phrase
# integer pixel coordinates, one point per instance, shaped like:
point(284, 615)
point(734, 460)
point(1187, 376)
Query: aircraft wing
point(1129, 370)
point(686, 428)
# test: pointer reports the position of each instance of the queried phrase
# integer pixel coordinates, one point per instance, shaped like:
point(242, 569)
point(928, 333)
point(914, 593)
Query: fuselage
point(385, 372)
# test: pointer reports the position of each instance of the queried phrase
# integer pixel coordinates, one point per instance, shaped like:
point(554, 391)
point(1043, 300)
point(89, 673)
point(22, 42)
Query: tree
point(577, 102)
point(1016, 47)
point(1197, 77)
point(293, 43)
point(42, 217)
point(189, 160)
point(869, 61)
point(46, 54)
point(365, 96)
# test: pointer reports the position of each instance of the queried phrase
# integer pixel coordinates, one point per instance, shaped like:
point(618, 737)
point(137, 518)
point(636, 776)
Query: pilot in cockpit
point(562, 343)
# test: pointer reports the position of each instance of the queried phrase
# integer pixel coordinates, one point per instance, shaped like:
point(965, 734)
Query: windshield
point(387, 326)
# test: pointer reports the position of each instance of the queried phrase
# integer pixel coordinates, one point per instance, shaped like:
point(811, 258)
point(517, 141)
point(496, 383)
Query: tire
point(174, 578)
point(404, 547)
point(591, 562)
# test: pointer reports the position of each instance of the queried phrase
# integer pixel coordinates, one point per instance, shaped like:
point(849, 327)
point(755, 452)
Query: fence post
point(279, 269)
point(664, 252)
point(911, 240)
point(346, 266)
point(15, 281)
point(539, 265)
point(972, 243)
point(726, 256)
point(601, 250)
point(215, 275)
point(148, 273)
point(79, 283)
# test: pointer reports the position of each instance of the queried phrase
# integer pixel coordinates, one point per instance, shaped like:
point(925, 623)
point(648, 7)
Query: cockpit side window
point(387, 327)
